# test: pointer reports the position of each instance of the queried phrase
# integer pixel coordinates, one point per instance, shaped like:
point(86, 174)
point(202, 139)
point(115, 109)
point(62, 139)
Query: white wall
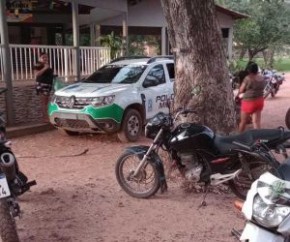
point(225, 21)
point(147, 13)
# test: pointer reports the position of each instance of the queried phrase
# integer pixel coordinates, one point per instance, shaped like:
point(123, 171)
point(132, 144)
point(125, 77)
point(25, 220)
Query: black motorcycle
point(199, 154)
point(13, 183)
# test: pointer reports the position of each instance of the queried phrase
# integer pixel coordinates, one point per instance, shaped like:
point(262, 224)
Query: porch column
point(76, 37)
point(98, 35)
point(230, 44)
point(6, 63)
point(163, 41)
point(92, 34)
point(125, 44)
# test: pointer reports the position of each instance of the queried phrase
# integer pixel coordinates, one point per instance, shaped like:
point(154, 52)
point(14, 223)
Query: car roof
point(130, 61)
point(140, 60)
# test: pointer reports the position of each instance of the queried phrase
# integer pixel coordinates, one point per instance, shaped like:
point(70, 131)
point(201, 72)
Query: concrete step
point(22, 130)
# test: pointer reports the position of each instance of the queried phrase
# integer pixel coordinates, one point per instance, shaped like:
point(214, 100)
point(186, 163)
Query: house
point(59, 27)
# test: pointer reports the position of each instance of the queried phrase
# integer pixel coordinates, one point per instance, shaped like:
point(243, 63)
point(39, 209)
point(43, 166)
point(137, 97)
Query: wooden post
point(76, 37)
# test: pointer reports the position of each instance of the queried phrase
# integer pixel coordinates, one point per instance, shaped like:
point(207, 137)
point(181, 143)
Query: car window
point(116, 74)
point(157, 72)
point(171, 71)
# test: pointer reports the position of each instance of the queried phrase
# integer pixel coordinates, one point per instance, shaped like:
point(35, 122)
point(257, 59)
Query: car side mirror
point(150, 81)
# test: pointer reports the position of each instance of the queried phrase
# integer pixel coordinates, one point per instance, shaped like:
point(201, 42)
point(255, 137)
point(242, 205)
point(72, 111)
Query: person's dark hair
point(253, 68)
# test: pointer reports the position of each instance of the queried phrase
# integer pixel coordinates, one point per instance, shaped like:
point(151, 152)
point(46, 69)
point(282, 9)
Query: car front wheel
point(131, 126)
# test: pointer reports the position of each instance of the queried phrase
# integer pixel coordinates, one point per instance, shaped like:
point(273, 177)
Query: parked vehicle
point(199, 154)
point(274, 81)
point(119, 97)
point(267, 208)
point(13, 183)
point(287, 118)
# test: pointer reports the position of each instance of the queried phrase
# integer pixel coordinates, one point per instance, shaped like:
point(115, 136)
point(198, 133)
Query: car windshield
point(117, 74)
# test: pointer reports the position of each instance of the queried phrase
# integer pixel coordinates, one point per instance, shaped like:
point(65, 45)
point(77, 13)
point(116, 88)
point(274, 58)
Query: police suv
point(118, 97)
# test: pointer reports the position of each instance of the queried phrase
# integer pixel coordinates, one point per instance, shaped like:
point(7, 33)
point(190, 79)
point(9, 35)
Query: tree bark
point(202, 77)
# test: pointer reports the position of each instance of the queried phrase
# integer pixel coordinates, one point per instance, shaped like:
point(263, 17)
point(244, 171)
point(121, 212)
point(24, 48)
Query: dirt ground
point(78, 199)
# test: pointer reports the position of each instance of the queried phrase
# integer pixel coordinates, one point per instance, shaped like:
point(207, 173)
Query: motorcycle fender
point(154, 158)
point(253, 233)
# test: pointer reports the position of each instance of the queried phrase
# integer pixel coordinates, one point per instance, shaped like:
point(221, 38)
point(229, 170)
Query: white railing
point(61, 58)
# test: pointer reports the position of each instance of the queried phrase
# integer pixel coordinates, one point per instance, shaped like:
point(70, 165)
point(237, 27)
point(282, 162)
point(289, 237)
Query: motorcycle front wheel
point(145, 184)
point(241, 184)
point(8, 231)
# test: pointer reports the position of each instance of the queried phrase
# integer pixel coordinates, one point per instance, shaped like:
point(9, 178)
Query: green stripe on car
point(113, 111)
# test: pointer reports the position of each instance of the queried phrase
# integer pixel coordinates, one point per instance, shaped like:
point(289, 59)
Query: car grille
point(72, 123)
point(77, 103)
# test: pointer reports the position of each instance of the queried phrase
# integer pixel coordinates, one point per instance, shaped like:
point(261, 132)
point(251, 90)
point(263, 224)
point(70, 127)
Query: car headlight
point(101, 101)
point(269, 215)
point(53, 99)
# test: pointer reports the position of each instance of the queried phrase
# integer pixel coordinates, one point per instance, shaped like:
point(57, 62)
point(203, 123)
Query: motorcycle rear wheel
point(145, 184)
point(242, 182)
point(8, 231)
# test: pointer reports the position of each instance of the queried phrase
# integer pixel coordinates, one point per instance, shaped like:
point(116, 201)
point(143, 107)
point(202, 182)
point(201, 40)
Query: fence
point(61, 58)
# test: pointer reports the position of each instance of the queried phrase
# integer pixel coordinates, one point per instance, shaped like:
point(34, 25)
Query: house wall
point(152, 17)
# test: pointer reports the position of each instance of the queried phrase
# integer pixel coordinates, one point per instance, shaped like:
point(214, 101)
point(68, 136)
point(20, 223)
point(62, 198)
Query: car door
point(155, 96)
point(170, 72)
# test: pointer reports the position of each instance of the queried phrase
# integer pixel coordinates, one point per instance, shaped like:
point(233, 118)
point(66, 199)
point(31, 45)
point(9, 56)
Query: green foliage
point(267, 25)
point(137, 44)
point(114, 42)
point(282, 64)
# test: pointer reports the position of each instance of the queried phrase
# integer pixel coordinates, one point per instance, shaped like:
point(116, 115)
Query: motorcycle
point(287, 119)
point(13, 183)
point(267, 208)
point(198, 153)
point(274, 81)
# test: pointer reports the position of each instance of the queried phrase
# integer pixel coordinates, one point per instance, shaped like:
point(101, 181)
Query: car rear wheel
point(131, 127)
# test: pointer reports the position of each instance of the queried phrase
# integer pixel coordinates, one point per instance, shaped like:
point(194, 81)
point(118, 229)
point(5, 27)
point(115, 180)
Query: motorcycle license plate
point(4, 189)
point(253, 233)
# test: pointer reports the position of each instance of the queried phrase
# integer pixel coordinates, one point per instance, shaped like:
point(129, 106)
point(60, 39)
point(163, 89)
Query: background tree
point(202, 78)
point(265, 30)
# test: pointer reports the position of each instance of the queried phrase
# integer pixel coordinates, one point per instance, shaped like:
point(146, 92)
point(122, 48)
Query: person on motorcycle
point(252, 90)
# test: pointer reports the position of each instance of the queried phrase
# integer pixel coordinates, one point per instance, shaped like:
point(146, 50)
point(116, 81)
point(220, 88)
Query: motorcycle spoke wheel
point(145, 184)
point(243, 181)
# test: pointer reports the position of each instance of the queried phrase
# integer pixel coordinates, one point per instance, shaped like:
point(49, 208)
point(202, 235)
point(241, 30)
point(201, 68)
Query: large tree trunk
point(202, 77)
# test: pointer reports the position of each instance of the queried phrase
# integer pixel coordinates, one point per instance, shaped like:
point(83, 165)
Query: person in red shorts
point(252, 89)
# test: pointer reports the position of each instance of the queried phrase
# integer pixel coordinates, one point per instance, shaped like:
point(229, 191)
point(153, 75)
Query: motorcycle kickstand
point(203, 202)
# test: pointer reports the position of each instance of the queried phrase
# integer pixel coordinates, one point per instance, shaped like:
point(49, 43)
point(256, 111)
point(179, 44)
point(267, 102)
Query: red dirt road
point(78, 199)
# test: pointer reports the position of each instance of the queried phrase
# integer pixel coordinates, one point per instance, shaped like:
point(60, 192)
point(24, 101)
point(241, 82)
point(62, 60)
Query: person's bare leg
point(257, 119)
point(243, 122)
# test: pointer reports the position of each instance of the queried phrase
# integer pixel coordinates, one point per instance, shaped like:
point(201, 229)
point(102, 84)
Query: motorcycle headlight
point(102, 101)
point(269, 215)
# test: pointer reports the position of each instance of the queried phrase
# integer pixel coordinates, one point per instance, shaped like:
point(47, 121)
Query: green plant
point(114, 42)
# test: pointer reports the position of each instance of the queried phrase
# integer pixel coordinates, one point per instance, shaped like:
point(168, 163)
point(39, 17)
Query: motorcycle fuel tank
point(188, 137)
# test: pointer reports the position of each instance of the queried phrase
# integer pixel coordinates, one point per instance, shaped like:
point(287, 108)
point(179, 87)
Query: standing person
point(44, 79)
point(252, 89)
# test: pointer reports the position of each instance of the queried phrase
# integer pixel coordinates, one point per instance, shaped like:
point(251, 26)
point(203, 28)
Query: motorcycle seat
point(225, 143)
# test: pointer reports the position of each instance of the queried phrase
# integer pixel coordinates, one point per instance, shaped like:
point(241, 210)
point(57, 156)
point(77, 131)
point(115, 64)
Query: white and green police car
point(119, 97)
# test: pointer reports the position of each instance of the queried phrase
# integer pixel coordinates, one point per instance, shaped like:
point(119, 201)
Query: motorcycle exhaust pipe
point(8, 165)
